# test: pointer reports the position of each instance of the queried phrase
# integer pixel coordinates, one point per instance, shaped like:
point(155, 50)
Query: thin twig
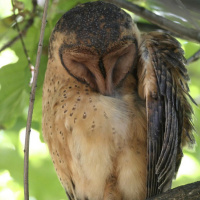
point(10, 43)
point(188, 33)
point(24, 30)
point(194, 57)
point(20, 35)
point(31, 103)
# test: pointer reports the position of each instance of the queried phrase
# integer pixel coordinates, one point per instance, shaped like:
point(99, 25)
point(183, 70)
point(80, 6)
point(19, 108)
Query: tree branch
point(194, 57)
point(189, 191)
point(145, 27)
point(32, 98)
point(187, 33)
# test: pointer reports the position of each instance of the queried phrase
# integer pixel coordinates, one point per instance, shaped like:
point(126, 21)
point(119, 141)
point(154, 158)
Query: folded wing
point(162, 82)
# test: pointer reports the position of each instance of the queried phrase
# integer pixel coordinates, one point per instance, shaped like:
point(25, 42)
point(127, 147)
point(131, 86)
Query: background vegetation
point(15, 88)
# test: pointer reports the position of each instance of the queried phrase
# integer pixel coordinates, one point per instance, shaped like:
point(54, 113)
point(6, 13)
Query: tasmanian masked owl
point(115, 108)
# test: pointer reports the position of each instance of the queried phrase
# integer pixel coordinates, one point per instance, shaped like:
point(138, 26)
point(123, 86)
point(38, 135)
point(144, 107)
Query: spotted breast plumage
point(115, 108)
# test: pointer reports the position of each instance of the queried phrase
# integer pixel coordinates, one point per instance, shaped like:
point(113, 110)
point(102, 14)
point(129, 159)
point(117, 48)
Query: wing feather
point(162, 81)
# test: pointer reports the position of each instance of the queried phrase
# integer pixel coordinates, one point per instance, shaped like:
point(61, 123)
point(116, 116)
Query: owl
point(115, 105)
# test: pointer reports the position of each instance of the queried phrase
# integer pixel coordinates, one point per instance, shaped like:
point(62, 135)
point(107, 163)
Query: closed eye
point(77, 65)
point(123, 64)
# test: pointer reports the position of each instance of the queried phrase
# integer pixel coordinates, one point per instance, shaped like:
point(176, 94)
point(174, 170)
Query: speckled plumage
point(115, 109)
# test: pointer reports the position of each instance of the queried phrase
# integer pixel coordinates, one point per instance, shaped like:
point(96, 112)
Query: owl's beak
point(106, 87)
point(108, 90)
point(109, 86)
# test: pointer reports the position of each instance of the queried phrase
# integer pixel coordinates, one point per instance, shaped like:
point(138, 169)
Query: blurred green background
point(15, 77)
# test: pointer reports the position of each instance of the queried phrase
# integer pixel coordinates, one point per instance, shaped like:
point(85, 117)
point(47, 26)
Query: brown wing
point(162, 81)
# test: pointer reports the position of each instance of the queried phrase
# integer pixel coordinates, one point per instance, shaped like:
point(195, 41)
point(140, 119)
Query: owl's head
point(99, 45)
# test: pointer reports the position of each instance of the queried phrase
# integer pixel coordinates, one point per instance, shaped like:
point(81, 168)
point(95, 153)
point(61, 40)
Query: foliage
point(14, 100)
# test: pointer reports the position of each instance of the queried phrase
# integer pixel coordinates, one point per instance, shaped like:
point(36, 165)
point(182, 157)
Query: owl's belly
point(101, 150)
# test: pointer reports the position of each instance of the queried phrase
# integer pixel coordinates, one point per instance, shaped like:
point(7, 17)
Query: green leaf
point(14, 97)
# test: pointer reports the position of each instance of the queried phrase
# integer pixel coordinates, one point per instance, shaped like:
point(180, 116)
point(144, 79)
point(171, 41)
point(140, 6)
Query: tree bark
point(185, 192)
